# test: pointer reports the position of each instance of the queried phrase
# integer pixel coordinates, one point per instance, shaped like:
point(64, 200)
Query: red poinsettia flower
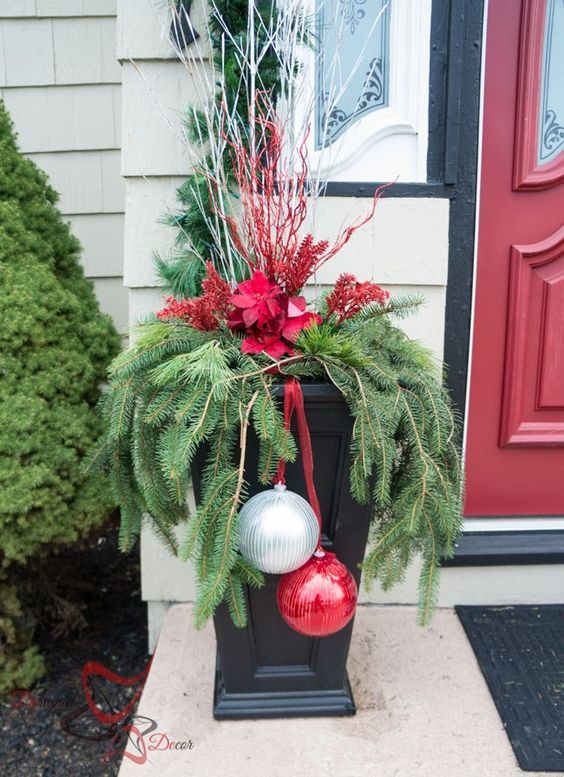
point(271, 344)
point(297, 318)
point(271, 319)
point(257, 303)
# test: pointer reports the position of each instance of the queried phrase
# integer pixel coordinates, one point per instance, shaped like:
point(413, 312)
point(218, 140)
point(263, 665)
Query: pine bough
point(179, 391)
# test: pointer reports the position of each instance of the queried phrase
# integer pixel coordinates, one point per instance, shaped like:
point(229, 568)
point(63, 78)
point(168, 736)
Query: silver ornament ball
point(278, 530)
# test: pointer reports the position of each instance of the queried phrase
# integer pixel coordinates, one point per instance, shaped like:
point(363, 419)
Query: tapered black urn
point(267, 669)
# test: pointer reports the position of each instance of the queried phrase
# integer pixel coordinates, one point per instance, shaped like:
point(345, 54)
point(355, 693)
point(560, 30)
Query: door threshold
point(488, 548)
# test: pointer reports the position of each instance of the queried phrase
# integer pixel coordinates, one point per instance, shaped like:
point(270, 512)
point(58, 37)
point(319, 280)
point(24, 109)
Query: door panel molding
point(528, 174)
point(532, 411)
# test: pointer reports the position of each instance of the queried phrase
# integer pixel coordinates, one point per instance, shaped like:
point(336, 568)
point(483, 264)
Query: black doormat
point(520, 650)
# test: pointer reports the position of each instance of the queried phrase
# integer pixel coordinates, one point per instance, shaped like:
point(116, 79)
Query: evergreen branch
point(122, 408)
point(401, 307)
point(217, 585)
point(249, 573)
point(97, 457)
point(428, 578)
point(266, 460)
point(235, 601)
point(207, 511)
point(166, 402)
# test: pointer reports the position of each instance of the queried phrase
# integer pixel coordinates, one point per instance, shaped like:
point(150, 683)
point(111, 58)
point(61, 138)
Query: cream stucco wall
point(61, 82)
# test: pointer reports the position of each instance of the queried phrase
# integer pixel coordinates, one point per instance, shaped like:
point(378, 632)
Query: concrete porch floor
point(423, 709)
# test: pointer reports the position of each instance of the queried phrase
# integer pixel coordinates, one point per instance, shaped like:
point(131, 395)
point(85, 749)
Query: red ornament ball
point(319, 598)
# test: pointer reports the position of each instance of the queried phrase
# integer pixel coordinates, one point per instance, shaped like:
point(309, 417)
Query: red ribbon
point(294, 400)
point(94, 669)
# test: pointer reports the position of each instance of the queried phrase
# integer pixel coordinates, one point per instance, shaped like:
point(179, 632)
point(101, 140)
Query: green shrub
point(54, 349)
point(20, 662)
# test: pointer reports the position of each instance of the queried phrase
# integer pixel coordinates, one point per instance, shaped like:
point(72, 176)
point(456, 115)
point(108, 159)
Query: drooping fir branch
point(180, 393)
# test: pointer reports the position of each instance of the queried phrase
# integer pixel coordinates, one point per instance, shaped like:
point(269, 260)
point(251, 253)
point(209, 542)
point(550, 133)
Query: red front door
point(515, 432)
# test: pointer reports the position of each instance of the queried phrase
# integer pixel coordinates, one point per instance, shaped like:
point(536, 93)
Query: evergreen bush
point(55, 346)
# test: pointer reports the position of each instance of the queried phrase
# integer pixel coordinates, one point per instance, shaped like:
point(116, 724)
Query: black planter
point(267, 669)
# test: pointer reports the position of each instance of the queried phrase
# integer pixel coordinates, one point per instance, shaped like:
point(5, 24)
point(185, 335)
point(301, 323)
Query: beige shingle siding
point(143, 26)
point(146, 203)
point(60, 51)
point(156, 90)
point(56, 8)
point(66, 118)
point(155, 97)
point(13, 8)
point(103, 232)
point(61, 82)
point(76, 7)
point(88, 181)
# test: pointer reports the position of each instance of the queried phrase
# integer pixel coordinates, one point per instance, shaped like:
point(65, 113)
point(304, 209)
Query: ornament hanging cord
point(294, 400)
